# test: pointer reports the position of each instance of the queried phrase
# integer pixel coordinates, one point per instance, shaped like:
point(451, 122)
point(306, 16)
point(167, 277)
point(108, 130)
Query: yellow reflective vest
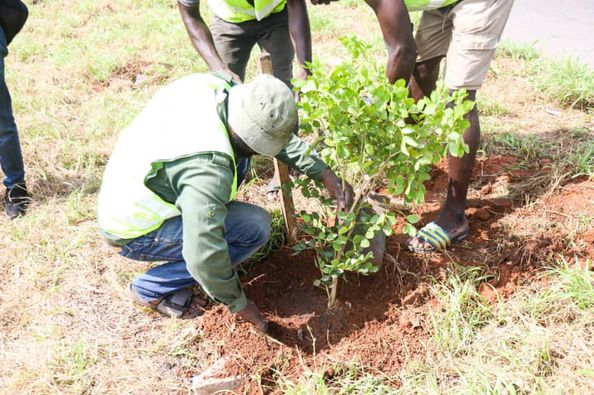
point(421, 5)
point(182, 119)
point(237, 11)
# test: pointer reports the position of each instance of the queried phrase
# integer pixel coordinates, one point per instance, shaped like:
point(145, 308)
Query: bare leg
point(451, 217)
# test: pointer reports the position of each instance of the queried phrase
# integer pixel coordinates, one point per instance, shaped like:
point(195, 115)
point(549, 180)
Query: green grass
point(566, 81)
point(570, 152)
point(343, 380)
point(518, 51)
point(463, 310)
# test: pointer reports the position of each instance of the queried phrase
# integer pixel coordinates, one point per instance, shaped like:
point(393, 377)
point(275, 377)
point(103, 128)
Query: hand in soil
point(252, 314)
point(344, 198)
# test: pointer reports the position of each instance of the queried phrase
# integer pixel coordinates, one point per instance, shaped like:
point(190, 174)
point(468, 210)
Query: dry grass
point(78, 74)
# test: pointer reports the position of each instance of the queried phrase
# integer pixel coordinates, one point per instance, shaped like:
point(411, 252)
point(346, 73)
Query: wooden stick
point(281, 171)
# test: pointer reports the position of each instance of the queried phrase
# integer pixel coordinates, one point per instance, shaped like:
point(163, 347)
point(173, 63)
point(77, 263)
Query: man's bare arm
point(300, 34)
point(396, 27)
point(202, 39)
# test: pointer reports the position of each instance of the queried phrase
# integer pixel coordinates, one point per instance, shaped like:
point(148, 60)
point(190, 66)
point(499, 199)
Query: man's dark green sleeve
point(202, 184)
point(298, 155)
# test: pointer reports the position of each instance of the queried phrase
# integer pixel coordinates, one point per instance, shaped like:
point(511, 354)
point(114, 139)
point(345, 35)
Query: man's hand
point(231, 74)
point(252, 314)
point(302, 73)
point(333, 184)
point(396, 26)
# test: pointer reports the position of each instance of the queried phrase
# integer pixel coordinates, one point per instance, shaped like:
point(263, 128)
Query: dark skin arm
point(396, 26)
point(202, 39)
point(334, 184)
point(300, 34)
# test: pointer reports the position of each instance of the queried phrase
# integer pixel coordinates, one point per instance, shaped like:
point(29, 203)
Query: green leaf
point(365, 243)
point(409, 230)
point(409, 141)
point(413, 219)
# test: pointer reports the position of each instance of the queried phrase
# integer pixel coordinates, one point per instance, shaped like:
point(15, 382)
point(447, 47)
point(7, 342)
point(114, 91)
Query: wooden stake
point(281, 171)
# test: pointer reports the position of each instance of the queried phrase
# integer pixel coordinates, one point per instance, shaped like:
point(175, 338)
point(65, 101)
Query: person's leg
point(273, 37)
point(16, 198)
point(164, 244)
point(11, 159)
point(234, 43)
point(247, 229)
point(477, 28)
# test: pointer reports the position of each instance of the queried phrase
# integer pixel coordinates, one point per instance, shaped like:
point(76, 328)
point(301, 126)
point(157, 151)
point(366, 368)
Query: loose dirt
point(381, 320)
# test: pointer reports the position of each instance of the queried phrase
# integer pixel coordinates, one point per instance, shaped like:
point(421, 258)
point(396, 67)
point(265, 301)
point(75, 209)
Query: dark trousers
point(234, 43)
point(11, 159)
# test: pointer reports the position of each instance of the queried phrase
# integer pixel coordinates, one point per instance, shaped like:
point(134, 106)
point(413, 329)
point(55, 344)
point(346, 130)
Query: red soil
point(380, 319)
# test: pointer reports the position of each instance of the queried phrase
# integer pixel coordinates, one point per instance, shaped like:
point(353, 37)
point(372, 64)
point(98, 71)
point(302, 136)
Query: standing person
point(466, 33)
point(169, 187)
point(13, 14)
point(280, 27)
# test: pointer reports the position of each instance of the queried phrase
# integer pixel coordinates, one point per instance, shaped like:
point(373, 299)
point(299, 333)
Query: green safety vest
point(183, 119)
point(421, 5)
point(237, 11)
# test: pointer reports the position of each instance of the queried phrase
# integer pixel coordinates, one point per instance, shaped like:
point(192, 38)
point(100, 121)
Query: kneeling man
point(168, 190)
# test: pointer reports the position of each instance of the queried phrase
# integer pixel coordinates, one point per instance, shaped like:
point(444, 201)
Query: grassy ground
point(79, 73)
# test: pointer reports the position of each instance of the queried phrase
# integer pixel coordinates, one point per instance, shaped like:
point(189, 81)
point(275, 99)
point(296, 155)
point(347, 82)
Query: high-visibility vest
point(237, 11)
point(421, 5)
point(183, 119)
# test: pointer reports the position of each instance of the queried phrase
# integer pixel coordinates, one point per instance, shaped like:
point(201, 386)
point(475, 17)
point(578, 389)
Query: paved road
point(561, 28)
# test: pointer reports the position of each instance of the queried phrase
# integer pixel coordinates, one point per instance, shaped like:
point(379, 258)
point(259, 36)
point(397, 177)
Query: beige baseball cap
point(263, 114)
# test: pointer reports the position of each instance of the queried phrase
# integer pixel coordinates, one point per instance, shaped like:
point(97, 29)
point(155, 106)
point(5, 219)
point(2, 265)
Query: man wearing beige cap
point(169, 187)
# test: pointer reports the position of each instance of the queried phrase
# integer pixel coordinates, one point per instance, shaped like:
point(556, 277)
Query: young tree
point(374, 134)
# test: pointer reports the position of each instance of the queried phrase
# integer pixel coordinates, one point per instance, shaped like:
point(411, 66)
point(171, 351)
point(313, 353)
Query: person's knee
point(260, 219)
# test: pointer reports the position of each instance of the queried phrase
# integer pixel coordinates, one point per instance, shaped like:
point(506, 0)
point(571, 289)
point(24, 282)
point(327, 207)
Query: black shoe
point(16, 200)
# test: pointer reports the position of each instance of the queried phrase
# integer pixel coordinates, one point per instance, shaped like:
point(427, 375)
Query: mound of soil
point(380, 320)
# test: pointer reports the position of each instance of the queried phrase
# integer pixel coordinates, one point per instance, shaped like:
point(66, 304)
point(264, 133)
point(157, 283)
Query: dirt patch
point(381, 320)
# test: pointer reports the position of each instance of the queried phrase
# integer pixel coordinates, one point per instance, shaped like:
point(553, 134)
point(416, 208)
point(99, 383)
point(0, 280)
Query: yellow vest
point(421, 5)
point(181, 120)
point(237, 11)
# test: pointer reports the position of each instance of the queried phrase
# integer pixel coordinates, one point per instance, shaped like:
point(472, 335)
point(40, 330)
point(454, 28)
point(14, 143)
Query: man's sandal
point(437, 237)
point(174, 305)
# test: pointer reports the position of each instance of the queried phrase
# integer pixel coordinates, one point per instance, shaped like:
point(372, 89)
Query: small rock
point(300, 334)
point(139, 79)
point(552, 111)
point(488, 292)
point(483, 214)
point(202, 386)
point(471, 212)
point(415, 323)
point(479, 213)
point(416, 296)
point(487, 189)
point(213, 380)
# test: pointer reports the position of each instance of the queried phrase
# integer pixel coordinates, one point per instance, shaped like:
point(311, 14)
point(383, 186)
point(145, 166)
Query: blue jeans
point(11, 158)
point(247, 228)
